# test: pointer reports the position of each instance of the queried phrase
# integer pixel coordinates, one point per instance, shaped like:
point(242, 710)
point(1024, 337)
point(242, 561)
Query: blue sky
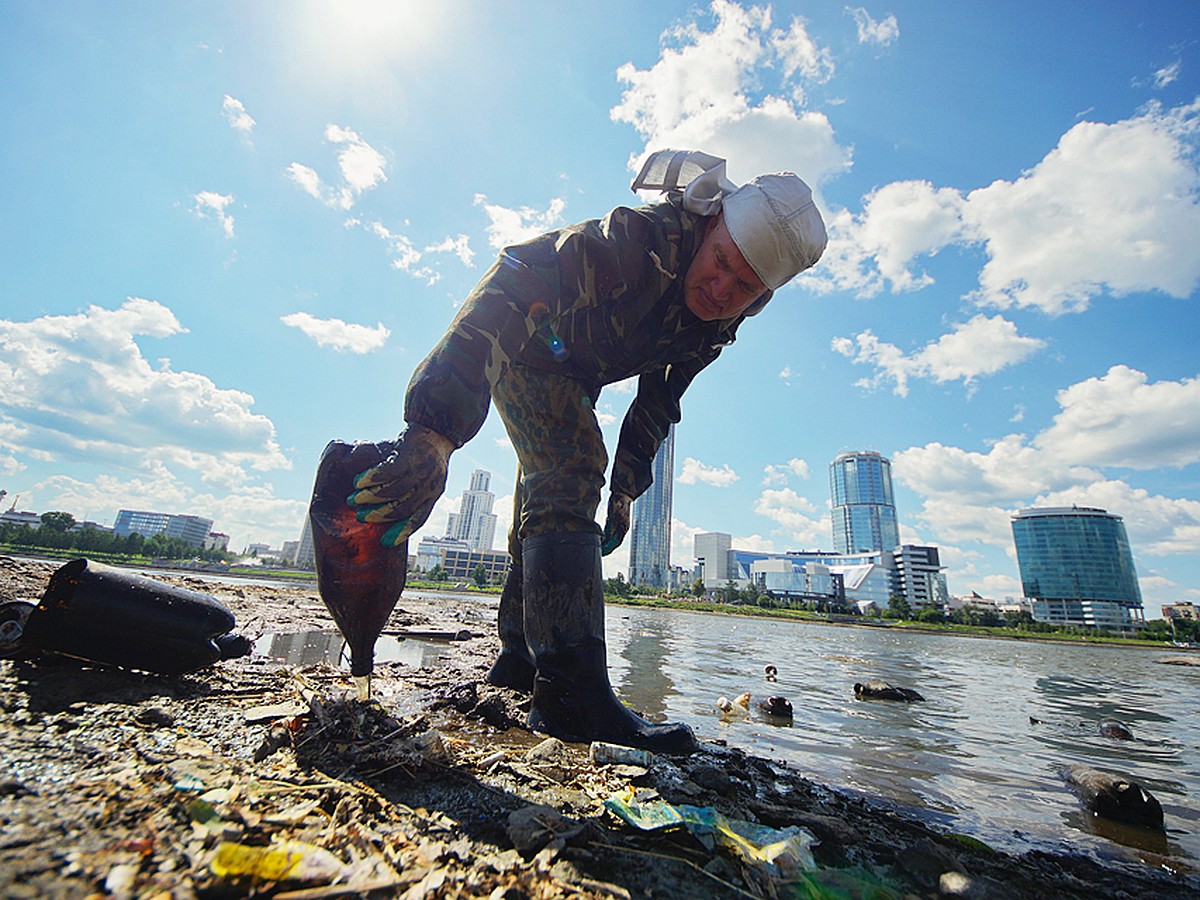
point(230, 231)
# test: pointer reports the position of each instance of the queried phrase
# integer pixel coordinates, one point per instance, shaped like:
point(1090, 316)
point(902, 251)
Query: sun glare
point(350, 34)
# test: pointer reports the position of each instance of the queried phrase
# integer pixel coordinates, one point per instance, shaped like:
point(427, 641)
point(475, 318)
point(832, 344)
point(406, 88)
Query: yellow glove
point(404, 487)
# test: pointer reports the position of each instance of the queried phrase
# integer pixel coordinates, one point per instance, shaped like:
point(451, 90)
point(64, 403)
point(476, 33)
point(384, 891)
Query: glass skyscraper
point(650, 532)
point(1077, 566)
point(864, 510)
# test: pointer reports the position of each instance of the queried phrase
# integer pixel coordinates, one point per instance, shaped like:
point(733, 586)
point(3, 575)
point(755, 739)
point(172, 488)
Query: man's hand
point(403, 488)
point(617, 523)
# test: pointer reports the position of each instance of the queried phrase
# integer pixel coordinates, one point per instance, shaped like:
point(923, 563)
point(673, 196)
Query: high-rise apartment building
point(1077, 567)
point(864, 510)
point(474, 522)
point(650, 532)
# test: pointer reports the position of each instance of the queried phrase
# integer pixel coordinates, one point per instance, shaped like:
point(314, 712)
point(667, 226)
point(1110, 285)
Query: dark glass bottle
point(359, 579)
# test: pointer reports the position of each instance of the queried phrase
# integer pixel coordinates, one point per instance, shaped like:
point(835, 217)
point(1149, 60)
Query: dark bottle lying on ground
point(107, 615)
point(358, 578)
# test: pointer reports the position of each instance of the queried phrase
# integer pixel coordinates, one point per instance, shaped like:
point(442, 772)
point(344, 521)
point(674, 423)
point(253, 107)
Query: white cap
point(775, 224)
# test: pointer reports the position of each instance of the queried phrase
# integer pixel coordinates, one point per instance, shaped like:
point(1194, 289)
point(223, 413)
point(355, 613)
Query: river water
point(968, 758)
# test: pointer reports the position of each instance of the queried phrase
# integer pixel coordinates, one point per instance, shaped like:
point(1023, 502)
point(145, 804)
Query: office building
point(191, 530)
point(1177, 612)
point(474, 522)
point(917, 576)
point(650, 532)
point(712, 552)
point(1077, 567)
point(458, 560)
point(911, 571)
point(864, 510)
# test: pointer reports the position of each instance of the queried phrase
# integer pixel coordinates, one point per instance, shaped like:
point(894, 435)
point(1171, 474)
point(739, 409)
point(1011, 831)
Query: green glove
point(616, 524)
point(403, 488)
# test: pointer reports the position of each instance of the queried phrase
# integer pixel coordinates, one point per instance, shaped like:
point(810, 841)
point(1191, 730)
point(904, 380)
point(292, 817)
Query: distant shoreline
point(303, 578)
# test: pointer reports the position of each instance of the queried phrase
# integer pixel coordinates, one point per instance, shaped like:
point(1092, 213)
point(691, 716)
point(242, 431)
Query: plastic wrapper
point(780, 852)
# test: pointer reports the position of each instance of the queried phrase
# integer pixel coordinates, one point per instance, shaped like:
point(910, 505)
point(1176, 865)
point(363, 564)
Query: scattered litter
point(274, 711)
point(283, 861)
point(491, 759)
point(778, 851)
point(603, 754)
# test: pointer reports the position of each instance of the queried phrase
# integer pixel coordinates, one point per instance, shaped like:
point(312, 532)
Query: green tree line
point(56, 534)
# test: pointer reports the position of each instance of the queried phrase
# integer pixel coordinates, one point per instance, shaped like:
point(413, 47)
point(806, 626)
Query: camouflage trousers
point(561, 459)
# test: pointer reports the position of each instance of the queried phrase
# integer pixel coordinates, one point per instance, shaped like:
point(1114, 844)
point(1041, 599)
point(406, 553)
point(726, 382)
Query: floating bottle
point(358, 578)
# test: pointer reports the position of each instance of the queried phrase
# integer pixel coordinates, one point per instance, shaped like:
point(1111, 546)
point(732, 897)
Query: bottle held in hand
point(358, 578)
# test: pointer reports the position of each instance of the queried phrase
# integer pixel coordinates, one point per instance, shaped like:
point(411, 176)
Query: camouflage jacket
point(599, 301)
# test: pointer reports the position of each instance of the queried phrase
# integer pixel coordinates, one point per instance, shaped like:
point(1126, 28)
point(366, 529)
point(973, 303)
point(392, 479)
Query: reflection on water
point(644, 684)
point(312, 648)
point(969, 757)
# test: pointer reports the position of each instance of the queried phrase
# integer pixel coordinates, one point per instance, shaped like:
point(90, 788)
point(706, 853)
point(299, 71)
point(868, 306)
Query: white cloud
point(78, 388)
point(460, 246)
point(805, 525)
point(696, 472)
point(512, 226)
point(360, 165)
point(872, 32)
point(981, 346)
point(1010, 472)
point(971, 496)
point(405, 255)
point(779, 474)
point(1086, 220)
point(212, 204)
point(1167, 74)
point(801, 55)
point(235, 113)
point(899, 223)
point(307, 178)
point(1120, 419)
point(706, 90)
point(338, 334)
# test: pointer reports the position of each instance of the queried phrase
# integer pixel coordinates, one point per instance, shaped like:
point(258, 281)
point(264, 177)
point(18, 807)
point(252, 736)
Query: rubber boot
point(513, 668)
point(564, 626)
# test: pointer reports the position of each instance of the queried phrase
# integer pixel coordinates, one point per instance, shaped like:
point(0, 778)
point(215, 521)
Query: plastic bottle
point(359, 580)
point(615, 754)
point(104, 614)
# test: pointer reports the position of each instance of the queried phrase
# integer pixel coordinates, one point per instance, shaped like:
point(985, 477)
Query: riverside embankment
point(130, 784)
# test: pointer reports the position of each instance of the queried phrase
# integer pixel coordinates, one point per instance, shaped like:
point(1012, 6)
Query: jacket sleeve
point(521, 299)
point(650, 416)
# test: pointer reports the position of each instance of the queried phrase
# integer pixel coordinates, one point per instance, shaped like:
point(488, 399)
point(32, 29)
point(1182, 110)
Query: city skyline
point(233, 231)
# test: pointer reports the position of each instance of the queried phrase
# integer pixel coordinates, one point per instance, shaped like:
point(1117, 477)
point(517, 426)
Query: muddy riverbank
point(133, 785)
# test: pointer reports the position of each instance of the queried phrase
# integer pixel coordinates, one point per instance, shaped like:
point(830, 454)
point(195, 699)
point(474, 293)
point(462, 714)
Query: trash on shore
point(102, 614)
point(779, 852)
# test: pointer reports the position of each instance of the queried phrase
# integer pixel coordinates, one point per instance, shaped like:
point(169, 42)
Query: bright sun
point(348, 34)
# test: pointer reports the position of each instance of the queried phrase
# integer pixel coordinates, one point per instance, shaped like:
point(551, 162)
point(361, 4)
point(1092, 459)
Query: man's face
point(719, 283)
